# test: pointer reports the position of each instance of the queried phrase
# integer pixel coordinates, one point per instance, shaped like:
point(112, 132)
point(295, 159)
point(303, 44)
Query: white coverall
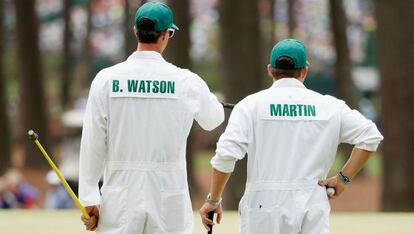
point(138, 116)
point(291, 135)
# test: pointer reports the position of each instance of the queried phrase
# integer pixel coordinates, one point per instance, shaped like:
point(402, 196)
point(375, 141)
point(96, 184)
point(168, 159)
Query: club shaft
point(62, 180)
point(210, 216)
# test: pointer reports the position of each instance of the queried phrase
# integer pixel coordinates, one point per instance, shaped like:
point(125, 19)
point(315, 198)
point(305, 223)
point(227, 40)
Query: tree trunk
point(87, 52)
point(241, 69)
point(67, 72)
point(130, 39)
point(396, 62)
point(269, 39)
point(346, 89)
point(33, 106)
point(272, 18)
point(343, 66)
point(178, 52)
point(291, 17)
point(4, 120)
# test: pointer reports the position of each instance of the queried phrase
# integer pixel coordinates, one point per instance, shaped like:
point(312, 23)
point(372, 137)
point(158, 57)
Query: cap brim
point(175, 27)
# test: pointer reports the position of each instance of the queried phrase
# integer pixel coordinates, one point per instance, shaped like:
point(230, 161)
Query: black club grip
point(211, 217)
point(228, 105)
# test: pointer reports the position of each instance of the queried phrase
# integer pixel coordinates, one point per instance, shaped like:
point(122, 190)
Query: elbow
point(223, 164)
point(211, 126)
point(370, 146)
point(214, 122)
point(370, 140)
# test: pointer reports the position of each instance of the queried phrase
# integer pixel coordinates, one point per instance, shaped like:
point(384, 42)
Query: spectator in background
point(72, 129)
point(15, 192)
point(57, 197)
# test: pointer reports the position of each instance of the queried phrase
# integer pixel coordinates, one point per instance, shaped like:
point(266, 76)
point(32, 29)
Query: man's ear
point(165, 35)
point(135, 31)
point(269, 70)
point(304, 73)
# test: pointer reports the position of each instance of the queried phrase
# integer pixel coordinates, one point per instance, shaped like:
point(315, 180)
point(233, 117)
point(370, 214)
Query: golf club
point(228, 105)
point(33, 136)
point(210, 216)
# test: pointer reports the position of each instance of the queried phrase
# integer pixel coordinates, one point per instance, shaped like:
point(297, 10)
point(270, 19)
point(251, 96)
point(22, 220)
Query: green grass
point(67, 222)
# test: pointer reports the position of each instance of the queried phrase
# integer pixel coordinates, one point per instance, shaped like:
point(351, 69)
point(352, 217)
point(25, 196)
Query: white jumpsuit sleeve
point(359, 131)
point(210, 112)
point(93, 150)
point(233, 143)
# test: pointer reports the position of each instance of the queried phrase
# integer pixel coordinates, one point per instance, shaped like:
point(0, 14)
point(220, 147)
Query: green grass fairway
point(67, 222)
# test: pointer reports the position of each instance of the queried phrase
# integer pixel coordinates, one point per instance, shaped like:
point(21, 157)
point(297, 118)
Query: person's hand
point(333, 182)
point(92, 223)
point(207, 207)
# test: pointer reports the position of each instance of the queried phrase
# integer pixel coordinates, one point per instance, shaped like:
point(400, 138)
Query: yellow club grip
point(62, 180)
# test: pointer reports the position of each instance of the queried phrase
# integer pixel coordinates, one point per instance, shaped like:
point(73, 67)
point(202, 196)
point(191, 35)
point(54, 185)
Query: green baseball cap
point(157, 12)
point(291, 48)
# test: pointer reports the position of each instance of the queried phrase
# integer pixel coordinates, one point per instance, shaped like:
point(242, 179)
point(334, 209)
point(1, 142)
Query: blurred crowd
point(107, 36)
point(15, 192)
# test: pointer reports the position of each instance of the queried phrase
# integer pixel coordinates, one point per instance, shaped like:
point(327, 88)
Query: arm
point(356, 161)
point(93, 152)
point(232, 146)
point(210, 112)
point(218, 182)
point(361, 132)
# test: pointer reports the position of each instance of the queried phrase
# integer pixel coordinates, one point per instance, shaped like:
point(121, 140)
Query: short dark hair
point(285, 68)
point(146, 32)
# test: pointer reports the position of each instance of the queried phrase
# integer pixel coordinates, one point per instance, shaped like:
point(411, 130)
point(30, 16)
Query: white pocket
point(262, 220)
point(113, 208)
point(173, 210)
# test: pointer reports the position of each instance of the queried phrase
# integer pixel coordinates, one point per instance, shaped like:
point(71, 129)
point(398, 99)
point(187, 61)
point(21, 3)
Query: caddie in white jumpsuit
point(291, 135)
point(138, 116)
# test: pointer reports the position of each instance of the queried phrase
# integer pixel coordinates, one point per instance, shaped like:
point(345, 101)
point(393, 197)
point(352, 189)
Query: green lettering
point(163, 86)
point(155, 86)
point(305, 110)
point(132, 85)
point(312, 110)
point(285, 110)
point(275, 110)
point(293, 110)
point(148, 85)
point(115, 86)
point(299, 109)
point(171, 87)
point(141, 87)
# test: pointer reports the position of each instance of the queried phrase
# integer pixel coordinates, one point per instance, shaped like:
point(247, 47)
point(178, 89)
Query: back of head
point(287, 59)
point(146, 33)
point(285, 68)
point(151, 20)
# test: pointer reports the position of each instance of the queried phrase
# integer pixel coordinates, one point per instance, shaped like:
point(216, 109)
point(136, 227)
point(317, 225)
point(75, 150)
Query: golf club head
point(33, 135)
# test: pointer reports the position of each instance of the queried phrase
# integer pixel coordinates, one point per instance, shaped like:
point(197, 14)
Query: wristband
point(212, 201)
